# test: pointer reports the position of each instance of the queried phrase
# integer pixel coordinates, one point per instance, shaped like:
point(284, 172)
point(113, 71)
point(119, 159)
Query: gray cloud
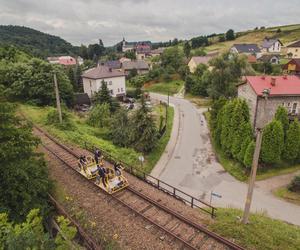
point(85, 21)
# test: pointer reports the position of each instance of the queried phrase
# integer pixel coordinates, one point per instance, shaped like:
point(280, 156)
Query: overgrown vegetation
point(30, 80)
point(261, 233)
point(23, 176)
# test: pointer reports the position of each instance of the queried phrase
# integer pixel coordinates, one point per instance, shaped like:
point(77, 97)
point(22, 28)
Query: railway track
point(178, 229)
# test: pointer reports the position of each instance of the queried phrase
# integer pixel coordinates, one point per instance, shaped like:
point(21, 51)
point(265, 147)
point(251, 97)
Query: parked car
point(130, 106)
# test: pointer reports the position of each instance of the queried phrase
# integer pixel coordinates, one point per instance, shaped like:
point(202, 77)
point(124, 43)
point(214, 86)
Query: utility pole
point(167, 105)
point(252, 176)
point(57, 99)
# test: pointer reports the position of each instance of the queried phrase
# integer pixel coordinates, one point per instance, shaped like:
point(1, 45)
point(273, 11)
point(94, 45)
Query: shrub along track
point(175, 230)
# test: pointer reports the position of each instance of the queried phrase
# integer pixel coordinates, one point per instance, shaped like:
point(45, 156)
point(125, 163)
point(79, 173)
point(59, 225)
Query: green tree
point(130, 54)
point(119, 128)
point(187, 49)
point(99, 115)
point(282, 116)
point(144, 132)
point(71, 76)
point(230, 35)
point(291, 150)
point(172, 57)
point(189, 83)
point(246, 138)
point(272, 142)
point(27, 235)
point(248, 158)
point(103, 96)
point(295, 184)
point(23, 176)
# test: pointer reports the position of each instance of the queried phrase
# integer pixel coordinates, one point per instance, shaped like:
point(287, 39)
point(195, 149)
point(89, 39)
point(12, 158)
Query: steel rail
point(204, 230)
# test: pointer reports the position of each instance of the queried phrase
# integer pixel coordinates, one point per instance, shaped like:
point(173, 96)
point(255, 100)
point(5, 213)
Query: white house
point(115, 80)
point(271, 45)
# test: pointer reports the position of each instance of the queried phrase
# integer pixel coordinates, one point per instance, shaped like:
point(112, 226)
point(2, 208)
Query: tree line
point(233, 133)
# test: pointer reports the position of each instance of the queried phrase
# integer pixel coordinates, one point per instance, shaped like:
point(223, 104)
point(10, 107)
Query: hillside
point(34, 42)
point(288, 34)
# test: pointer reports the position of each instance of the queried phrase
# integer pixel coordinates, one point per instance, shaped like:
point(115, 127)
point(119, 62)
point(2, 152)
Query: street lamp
point(245, 220)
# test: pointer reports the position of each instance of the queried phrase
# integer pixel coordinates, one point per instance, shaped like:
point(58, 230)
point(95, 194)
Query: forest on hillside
point(34, 42)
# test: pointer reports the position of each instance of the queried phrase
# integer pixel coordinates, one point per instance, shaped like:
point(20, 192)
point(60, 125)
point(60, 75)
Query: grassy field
point(289, 33)
point(198, 100)
point(172, 87)
point(262, 233)
point(81, 133)
point(287, 195)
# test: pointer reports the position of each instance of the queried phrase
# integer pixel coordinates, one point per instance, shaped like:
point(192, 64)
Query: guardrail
point(157, 183)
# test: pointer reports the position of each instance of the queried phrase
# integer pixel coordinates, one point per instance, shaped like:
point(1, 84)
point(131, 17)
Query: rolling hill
point(287, 34)
point(34, 42)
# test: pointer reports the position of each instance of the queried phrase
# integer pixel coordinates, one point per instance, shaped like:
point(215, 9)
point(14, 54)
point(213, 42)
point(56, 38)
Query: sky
point(85, 21)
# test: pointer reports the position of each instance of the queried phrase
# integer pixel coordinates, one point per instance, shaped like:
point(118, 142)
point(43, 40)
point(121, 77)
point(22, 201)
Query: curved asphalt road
point(189, 164)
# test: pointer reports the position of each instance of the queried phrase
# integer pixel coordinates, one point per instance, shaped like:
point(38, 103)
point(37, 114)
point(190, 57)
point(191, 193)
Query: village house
point(124, 59)
point(141, 66)
point(142, 50)
point(271, 45)
point(157, 52)
point(196, 60)
point(62, 60)
point(293, 50)
point(264, 94)
point(247, 49)
point(269, 58)
point(115, 79)
point(114, 64)
point(292, 67)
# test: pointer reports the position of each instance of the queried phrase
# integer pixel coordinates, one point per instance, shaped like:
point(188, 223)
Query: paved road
point(189, 164)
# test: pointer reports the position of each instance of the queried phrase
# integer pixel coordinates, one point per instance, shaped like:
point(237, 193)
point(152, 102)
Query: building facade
point(293, 50)
point(115, 80)
point(271, 45)
point(282, 91)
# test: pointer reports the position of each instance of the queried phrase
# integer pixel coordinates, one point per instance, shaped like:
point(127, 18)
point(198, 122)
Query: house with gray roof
point(140, 65)
point(271, 45)
point(94, 78)
point(246, 48)
point(269, 58)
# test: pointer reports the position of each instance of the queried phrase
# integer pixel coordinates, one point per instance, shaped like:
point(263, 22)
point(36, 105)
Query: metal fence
point(157, 183)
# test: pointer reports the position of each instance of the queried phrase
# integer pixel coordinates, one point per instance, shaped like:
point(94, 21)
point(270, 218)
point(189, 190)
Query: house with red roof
point(264, 94)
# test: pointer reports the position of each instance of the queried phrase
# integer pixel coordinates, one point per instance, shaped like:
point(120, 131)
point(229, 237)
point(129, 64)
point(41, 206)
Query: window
point(294, 110)
point(110, 82)
point(282, 104)
point(296, 50)
point(111, 92)
point(118, 90)
point(122, 90)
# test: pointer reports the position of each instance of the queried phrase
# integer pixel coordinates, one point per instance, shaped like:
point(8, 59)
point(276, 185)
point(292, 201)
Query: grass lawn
point(82, 133)
point(262, 233)
point(198, 100)
point(288, 195)
point(172, 87)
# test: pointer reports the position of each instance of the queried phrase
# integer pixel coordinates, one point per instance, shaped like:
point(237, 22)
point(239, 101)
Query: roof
point(294, 45)
point(284, 85)
point(267, 58)
point(247, 48)
point(116, 64)
point(251, 59)
point(138, 64)
point(67, 60)
point(293, 61)
point(267, 43)
point(157, 51)
point(101, 72)
point(201, 59)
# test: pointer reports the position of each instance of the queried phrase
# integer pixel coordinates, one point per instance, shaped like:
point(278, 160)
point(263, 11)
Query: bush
point(53, 119)
point(99, 116)
point(295, 184)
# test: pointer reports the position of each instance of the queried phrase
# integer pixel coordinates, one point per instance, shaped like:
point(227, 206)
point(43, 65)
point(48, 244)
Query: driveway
point(189, 164)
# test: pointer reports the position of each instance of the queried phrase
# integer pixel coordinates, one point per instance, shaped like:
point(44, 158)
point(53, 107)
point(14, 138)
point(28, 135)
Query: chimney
point(273, 81)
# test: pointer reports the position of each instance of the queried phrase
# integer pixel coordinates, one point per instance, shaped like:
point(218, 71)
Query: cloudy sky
point(85, 21)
